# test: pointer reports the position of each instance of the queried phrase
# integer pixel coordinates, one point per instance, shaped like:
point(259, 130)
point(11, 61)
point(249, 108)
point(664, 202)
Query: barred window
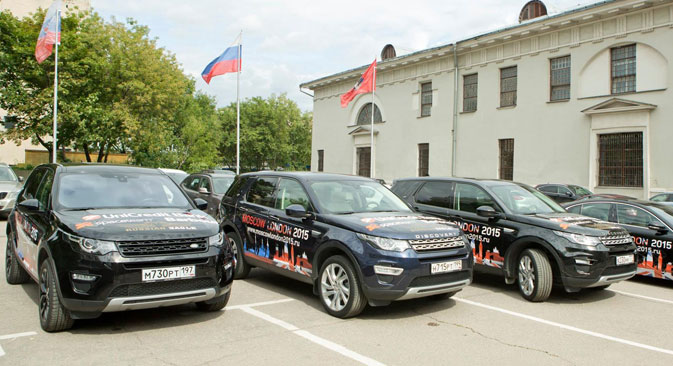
point(321, 160)
point(365, 115)
point(423, 159)
point(508, 86)
point(623, 69)
point(620, 160)
point(426, 99)
point(470, 92)
point(506, 159)
point(560, 78)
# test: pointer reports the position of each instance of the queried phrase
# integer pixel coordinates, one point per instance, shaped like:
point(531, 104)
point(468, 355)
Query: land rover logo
point(194, 246)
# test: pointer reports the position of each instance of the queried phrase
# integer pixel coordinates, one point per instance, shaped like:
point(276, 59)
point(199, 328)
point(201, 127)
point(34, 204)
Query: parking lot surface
point(274, 320)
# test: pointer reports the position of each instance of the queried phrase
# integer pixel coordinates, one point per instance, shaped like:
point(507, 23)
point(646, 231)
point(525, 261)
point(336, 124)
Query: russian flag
point(50, 33)
point(228, 61)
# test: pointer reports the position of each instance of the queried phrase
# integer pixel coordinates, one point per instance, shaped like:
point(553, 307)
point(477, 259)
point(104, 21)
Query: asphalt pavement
point(278, 321)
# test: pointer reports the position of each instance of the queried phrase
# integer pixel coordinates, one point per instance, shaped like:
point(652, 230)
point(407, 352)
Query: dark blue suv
point(354, 240)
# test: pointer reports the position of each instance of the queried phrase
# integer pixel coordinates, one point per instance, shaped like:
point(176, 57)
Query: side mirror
point(569, 194)
point(20, 178)
point(204, 190)
point(297, 211)
point(488, 212)
point(30, 205)
point(660, 229)
point(201, 204)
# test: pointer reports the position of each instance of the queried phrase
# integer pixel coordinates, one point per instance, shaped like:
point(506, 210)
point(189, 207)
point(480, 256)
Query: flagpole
point(238, 107)
point(371, 133)
point(58, 41)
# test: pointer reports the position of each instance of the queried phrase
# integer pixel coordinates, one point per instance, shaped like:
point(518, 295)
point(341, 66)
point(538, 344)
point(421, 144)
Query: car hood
point(572, 223)
point(138, 224)
point(395, 225)
point(10, 186)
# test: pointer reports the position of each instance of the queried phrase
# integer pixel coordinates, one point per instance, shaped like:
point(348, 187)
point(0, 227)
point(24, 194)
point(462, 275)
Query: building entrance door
point(364, 156)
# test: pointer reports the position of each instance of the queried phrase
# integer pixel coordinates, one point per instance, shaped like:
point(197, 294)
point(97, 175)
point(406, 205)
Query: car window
point(43, 195)
point(524, 200)
point(194, 184)
point(575, 209)
point(468, 197)
point(187, 181)
point(599, 211)
point(630, 215)
point(236, 187)
point(659, 198)
point(205, 183)
point(564, 191)
point(405, 187)
point(31, 185)
point(7, 174)
point(261, 192)
point(221, 184)
point(435, 194)
point(290, 192)
point(355, 196)
point(580, 191)
point(549, 189)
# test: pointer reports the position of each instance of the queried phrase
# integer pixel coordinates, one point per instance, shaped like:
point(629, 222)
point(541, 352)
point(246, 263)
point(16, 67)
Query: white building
point(10, 152)
point(579, 97)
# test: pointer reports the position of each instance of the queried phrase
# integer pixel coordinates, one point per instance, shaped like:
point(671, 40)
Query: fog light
point(388, 271)
point(584, 261)
point(84, 277)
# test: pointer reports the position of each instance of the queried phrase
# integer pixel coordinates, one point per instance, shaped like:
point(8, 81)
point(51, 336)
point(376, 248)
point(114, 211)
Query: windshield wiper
point(82, 209)
point(384, 211)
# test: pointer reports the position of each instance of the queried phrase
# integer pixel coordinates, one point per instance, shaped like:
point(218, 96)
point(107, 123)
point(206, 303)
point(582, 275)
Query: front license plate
point(169, 273)
point(624, 259)
point(444, 267)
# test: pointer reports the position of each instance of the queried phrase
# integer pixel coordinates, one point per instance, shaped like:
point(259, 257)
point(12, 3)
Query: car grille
point(617, 238)
point(425, 245)
point(3, 195)
point(618, 270)
point(439, 279)
point(162, 247)
point(160, 288)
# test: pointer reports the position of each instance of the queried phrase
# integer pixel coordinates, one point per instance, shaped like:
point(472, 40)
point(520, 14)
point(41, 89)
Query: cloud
point(293, 41)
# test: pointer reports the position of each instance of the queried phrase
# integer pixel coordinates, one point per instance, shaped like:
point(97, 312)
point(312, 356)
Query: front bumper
point(416, 279)
point(119, 285)
point(585, 268)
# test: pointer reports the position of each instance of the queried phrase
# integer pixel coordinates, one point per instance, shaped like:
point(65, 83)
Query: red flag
point(366, 84)
point(50, 33)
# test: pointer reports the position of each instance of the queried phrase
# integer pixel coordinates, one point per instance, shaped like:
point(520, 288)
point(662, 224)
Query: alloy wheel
point(8, 257)
point(234, 249)
point(526, 275)
point(335, 287)
point(44, 293)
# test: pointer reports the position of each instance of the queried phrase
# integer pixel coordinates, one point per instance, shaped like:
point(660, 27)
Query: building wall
point(553, 141)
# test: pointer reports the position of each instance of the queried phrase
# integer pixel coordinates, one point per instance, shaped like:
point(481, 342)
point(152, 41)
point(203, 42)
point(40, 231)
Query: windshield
point(580, 191)
point(525, 200)
point(222, 184)
point(177, 177)
point(7, 174)
point(114, 190)
point(353, 196)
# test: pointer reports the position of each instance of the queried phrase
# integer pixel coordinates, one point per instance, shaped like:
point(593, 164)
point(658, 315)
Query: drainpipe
point(454, 130)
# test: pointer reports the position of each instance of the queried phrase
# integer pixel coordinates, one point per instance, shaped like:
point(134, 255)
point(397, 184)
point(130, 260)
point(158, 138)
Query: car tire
point(14, 273)
point(217, 305)
point(53, 316)
point(534, 275)
point(444, 296)
point(337, 281)
point(241, 269)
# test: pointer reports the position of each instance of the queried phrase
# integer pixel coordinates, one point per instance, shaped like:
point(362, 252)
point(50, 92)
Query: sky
point(288, 42)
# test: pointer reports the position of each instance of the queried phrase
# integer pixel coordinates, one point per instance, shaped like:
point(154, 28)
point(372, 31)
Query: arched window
point(365, 115)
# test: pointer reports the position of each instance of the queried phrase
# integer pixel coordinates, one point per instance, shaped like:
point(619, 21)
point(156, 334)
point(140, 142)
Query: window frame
point(369, 120)
point(476, 94)
point(513, 92)
point(423, 93)
point(424, 169)
point(321, 160)
point(551, 77)
point(605, 153)
point(501, 167)
point(612, 69)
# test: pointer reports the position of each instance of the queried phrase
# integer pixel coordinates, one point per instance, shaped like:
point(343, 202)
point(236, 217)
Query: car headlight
point(216, 240)
point(385, 243)
point(93, 246)
point(12, 195)
point(579, 238)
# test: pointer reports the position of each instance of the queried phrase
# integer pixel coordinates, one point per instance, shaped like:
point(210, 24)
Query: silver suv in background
point(10, 185)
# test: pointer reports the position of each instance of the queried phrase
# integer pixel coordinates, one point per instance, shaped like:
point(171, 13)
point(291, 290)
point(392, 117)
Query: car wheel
point(241, 269)
point(218, 303)
point(339, 288)
point(14, 273)
point(53, 316)
point(535, 275)
point(444, 296)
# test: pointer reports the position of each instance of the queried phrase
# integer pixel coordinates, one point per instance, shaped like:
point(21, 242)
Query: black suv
point(209, 186)
point(111, 238)
point(517, 231)
point(563, 192)
point(350, 237)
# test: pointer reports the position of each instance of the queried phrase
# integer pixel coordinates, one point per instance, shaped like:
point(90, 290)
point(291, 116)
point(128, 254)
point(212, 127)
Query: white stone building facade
point(581, 97)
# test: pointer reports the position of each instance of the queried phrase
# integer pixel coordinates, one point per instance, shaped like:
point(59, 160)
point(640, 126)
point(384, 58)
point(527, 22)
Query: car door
point(30, 224)
point(253, 211)
point(651, 259)
point(489, 239)
point(191, 186)
point(294, 243)
point(205, 192)
point(434, 198)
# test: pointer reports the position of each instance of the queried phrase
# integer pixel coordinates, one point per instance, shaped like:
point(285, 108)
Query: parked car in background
point(665, 198)
point(563, 192)
point(219, 171)
point(176, 175)
point(649, 222)
point(355, 241)
point(102, 238)
point(209, 186)
point(523, 235)
point(10, 185)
